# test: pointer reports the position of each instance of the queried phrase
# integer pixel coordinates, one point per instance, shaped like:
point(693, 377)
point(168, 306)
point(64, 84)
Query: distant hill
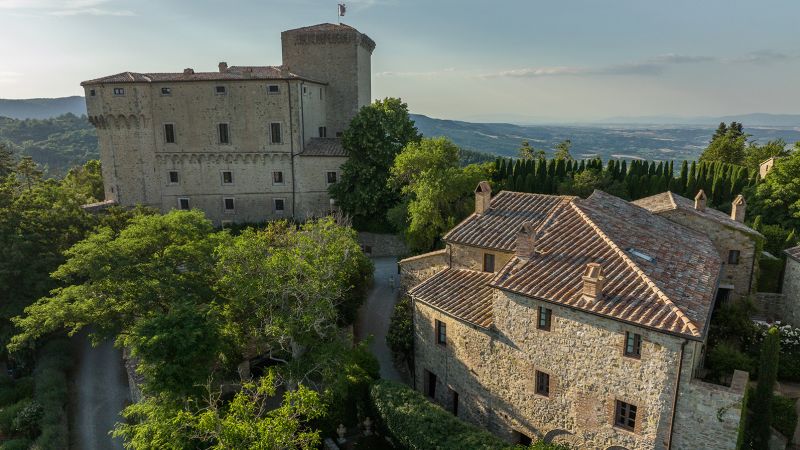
point(629, 141)
point(752, 119)
point(42, 108)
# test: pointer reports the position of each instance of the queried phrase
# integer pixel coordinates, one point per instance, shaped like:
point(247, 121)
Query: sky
point(511, 60)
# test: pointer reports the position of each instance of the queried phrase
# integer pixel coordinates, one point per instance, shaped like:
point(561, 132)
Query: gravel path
point(99, 393)
point(375, 314)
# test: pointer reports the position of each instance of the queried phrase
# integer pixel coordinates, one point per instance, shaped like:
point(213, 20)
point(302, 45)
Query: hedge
point(16, 444)
point(12, 391)
point(784, 416)
point(52, 392)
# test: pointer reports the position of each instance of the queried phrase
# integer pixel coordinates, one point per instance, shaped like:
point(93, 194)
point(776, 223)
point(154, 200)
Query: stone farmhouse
point(578, 321)
point(244, 144)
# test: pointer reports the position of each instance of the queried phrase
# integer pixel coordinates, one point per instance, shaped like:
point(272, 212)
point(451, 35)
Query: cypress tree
point(530, 183)
point(761, 410)
point(561, 169)
point(691, 182)
point(623, 170)
point(681, 186)
point(551, 168)
point(541, 175)
point(582, 166)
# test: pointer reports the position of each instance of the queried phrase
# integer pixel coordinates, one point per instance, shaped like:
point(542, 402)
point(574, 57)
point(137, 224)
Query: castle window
point(280, 205)
point(323, 132)
point(119, 91)
point(488, 262)
point(166, 91)
point(173, 177)
point(431, 382)
point(320, 93)
point(733, 257)
point(542, 384)
point(625, 416)
point(277, 177)
point(228, 205)
point(220, 90)
point(275, 133)
point(545, 316)
point(441, 333)
point(92, 93)
point(183, 203)
point(169, 133)
point(224, 137)
point(454, 402)
point(305, 90)
point(331, 177)
point(273, 89)
point(227, 177)
point(633, 345)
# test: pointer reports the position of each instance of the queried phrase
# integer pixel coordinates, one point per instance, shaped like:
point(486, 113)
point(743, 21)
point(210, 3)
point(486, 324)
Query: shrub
point(12, 391)
point(27, 420)
point(8, 414)
point(784, 416)
point(760, 418)
point(400, 337)
point(418, 424)
point(16, 444)
point(51, 391)
point(724, 358)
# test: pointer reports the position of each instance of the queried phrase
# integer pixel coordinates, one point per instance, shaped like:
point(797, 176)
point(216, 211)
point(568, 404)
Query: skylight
point(641, 254)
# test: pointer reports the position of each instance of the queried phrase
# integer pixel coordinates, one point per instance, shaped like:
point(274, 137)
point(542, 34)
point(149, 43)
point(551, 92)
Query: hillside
point(42, 108)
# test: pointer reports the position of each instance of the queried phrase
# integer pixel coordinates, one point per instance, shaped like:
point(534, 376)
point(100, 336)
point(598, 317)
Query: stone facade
point(419, 268)
point(791, 292)
point(380, 244)
point(161, 142)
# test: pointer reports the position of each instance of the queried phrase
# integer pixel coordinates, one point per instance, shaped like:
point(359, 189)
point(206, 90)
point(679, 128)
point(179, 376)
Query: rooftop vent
point(188, 71)
point(641, 254)
point(483, 195)
point(738, 208)
point(223, 67)
point(526, 241)
point(700, 201)
point(593, 281)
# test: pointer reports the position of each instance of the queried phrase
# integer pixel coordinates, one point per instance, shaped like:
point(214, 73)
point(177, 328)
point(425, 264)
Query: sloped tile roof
point(673, 293)
point(669, 201)
point(233, 73)
point(497, 227)
point(794, 253)
point(324, 147)
point(462, 293)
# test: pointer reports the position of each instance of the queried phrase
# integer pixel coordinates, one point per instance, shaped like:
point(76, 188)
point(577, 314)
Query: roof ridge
point(650, 283)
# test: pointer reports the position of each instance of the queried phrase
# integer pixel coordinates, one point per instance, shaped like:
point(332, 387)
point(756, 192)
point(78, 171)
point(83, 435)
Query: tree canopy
point(777, 197)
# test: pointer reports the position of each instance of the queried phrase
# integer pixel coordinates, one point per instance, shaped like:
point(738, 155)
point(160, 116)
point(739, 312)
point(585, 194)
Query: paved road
point(99, 393)
point(375, 314)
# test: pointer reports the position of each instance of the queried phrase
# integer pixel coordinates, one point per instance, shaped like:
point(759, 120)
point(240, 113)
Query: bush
point(418, 424)
point(12, 391)
point(16, 444)
point(8, 414)
point(51, 391)
point(724, 358)
point(27, 420)
point(784, 416)
point(400, 337)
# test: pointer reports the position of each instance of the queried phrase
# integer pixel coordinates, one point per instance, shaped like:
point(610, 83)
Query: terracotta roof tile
point(497, 227)
point(669, 201)
point(462, 293)
point(234, 73)
point(324, 147)
point(794, 253)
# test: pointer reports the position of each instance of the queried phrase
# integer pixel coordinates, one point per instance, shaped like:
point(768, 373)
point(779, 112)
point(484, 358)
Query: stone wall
point(709, 414)
point(791, 292)
point(379, 244)
point(772, 306)
point(416, 269)
point(468, 257)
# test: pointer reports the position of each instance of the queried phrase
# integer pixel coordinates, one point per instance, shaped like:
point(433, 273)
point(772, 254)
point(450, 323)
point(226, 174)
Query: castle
point(244, 144)
point(582, 321)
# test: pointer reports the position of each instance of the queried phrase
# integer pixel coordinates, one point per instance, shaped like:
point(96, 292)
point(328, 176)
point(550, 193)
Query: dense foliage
point(58, 144)
point(784, 415)
point(375, 136)
point(761, 403)
point(777, 198)
point(400, 337)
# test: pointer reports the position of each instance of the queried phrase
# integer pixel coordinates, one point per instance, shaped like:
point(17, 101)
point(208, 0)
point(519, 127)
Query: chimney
point(593, 281)
point(738, 208)
point(526, 241)
point(188, 71)
point(223, 67)
point(483, 194)
point(700, 201)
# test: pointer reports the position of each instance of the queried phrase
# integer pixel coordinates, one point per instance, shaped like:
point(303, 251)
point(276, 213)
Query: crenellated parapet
point(223, 158)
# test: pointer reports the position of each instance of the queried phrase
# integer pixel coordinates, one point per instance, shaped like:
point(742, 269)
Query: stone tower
point(338, 55)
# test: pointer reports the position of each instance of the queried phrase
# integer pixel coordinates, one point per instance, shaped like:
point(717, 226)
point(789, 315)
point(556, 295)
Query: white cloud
point(428, 74)
point(66, 7)
point(760, 57)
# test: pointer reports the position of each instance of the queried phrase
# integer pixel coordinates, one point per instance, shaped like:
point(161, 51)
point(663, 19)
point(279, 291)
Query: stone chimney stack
point(483, 195)
point(526, 241)
point(593, 281)
point(738, 208)
point(700, 201)
point(188, 71)
point(223, 67)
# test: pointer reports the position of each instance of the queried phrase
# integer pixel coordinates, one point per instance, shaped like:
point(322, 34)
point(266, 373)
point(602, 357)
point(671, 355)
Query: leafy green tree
point(761, 409)
point(400, 337)
point(777, 197)
point(7, 161)
point(755, 154)
point(527, 152)
point(562, 150)
point(375, 136)
point(28, 172)
point(727, 145)
point(87, 180)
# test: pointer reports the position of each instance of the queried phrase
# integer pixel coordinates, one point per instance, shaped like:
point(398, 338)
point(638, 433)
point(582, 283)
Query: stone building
point(791, 287)
point(243, 144)
point(570, 320)
point(736, 243)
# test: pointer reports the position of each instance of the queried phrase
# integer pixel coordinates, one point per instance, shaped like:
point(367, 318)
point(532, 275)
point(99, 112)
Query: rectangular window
point(224, 137)
point(227, 177)
point(431, 388)
point(273, 89)
point(320, 93)
point(625, 416)
point(166, 91)
point(633, 345)
point(323, 132)
point(454, 402)
point(169, 133)
point(280, 205)
point(183, 203)
point(228, 205)
point(544, 318)
point(275, 133)
point(277, 177)
point(331, 177)
point(173, 177)
point(92, 92)
point(305, 90)
point(119, 91)
point(220, 90)
point(733, 257)
point(488, 262)
point(542, 384)
point(441, 333)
